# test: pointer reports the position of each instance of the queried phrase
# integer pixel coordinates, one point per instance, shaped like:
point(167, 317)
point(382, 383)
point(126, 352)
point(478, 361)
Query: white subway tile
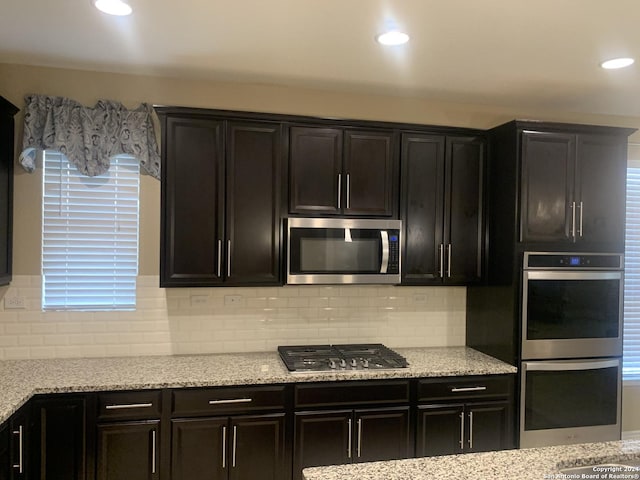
point(31, 340)
point(17, 328)
point(42, 352)
point(17, 353)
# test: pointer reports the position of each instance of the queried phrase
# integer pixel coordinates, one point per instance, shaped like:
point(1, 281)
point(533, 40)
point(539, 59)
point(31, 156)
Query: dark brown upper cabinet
point(442, 188)
point(573, 187)
point(341, 171)
point(7, 112)
point(221, 198)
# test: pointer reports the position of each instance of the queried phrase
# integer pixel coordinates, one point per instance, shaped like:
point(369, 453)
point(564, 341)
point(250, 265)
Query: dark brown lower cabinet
point(347, 436)
point(236, 448)
point(128, 451)
point(4, 452)
point(58, 442)
point(466, 428)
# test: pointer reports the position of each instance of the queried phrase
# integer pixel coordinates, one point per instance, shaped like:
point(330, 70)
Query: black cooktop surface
point(348, 357)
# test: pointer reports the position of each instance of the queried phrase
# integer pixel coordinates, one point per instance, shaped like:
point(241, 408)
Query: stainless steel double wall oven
point(571, 348)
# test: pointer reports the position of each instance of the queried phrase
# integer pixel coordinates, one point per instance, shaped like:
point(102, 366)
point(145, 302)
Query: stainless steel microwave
point(343, 251)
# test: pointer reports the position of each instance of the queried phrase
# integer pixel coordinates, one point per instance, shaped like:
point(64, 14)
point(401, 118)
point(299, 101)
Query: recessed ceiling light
point(393, 37)
point(617, 63)
point(113, 7)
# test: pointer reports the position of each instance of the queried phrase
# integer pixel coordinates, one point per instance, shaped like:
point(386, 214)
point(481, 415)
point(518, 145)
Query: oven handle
point(384, 237)
point(572, 275)
point(561, 365)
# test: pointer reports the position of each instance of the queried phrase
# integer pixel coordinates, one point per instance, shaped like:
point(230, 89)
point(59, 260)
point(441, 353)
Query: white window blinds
point(631, 354)
point(89, 235)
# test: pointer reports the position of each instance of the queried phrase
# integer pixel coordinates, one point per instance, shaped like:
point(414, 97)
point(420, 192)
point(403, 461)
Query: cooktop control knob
point(343, 364)
point(332, 363)
point(354, 363)
point(365, 363)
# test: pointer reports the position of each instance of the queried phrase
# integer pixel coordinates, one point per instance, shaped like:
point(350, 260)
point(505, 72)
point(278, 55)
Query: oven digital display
point(393, 238)
point(574, 261)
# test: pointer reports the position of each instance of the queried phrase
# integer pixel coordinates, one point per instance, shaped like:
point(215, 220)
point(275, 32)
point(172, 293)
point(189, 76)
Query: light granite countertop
point(525, 464)
point(21, 379)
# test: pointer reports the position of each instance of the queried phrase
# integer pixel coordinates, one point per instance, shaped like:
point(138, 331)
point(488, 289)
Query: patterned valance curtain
point(89, 136)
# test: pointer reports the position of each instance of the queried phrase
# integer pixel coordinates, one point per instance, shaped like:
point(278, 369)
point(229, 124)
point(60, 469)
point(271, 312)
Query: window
point(89, 235)
point(631, 354)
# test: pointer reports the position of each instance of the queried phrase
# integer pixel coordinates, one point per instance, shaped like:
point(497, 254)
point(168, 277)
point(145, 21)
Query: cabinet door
point(600, 191)
point(488, 427)
point(7, 111)
point(370, 173)
point(441, 430)
point(199, 449)
point(422, 207)
point(19, 444)
point(382, 434)
point(464, 200)
point(253, 193)
point(58, 439)
point(548, 169)
point(128, 451)
point(258, 448)
point(192, 195)
point(5, 458)
point(315, 167)
point(322, 438)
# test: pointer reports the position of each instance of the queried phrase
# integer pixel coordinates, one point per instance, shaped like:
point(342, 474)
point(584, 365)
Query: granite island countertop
point(21, 379)
point(525, 464)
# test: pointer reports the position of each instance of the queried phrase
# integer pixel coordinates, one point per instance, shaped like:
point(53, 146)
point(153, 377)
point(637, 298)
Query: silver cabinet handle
point(233, 451)
point(153, 451)
point(349, 443)
point(384, 238)
point(580, 222)
point(573, 220)
point(219, 258)
point(231, 400)
point(449, 261)
point(441, 250)
point(348, 190)
point(470, 430)
point(228, 258)
point(461, 431)
point(127, 406)
point(359, 449)
point(224, 446)
point(339, 189)
point(20, 465)
point(468, 389)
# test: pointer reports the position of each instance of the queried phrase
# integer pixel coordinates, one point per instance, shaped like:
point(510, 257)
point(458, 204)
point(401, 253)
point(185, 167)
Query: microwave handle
point(560, 365)
point(384, 236)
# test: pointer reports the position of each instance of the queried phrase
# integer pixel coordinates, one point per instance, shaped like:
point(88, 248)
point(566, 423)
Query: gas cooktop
point(320, 358)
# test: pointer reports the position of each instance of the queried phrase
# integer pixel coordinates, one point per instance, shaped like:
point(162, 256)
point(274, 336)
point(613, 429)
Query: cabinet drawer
point(451, 388)
point(135, 405)
point(222, 401)
point(351, 393)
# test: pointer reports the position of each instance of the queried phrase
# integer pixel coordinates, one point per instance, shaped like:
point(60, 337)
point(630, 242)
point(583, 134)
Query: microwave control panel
point(394, 251)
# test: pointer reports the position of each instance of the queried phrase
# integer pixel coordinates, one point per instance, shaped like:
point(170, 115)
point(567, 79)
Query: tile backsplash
point(213, 320)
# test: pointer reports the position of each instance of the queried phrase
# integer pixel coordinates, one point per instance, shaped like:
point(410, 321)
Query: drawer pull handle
point(468, 389)
point(126, 406)
point(231, 400)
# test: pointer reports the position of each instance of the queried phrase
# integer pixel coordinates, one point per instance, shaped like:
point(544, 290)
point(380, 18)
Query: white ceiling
point(515, 53)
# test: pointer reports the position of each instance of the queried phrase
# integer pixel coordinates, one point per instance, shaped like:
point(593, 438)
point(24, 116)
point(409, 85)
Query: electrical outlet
point(13, 302)
point(419, 298)
point(233, 300)
point(198, 300)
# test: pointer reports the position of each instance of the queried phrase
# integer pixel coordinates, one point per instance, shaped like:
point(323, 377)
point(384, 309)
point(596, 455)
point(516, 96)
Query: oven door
point(331, 251)
point(571, 314)
point(570, 401)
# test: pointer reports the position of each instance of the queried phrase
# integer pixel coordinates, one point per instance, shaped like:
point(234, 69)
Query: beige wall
point(87, 87)
point(18, 80)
